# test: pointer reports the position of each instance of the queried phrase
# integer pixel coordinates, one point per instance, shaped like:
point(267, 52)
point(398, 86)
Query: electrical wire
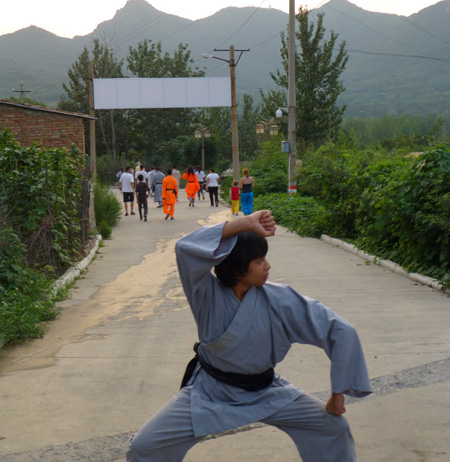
point(244, 23)
point(398, 55)
point(408, 21)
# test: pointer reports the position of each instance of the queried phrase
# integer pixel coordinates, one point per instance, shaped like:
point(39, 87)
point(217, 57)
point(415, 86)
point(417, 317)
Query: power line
point(408, 21)
point(398, 55)
point(371, 28)
point(245, 22)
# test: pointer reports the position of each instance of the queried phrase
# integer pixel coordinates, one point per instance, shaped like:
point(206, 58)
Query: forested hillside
point(397, 64)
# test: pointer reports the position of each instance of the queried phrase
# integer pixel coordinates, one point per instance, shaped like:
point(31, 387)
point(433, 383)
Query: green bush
point(40, 199)
point(108, 209)
point(26, 296)
point(104, 229)
point(303, 215)
point(405, 214)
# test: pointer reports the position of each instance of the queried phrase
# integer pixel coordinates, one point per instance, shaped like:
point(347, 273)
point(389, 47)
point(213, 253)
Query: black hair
point(141, 177)
point(169, 172)
point(249, 246)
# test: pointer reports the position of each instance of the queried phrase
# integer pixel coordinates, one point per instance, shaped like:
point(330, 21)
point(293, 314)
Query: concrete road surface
point(118, 350)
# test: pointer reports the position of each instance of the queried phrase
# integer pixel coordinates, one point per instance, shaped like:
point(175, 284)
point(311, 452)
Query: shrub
point(104, 229)
point(405, 214)
point(108, 209)
point(26, 297)
point(303, 215)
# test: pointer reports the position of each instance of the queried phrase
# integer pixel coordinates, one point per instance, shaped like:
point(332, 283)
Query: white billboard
point(135, 93)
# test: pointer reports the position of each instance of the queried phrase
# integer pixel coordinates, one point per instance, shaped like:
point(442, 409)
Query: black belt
point(191, 181)
point(157, 183)
point(249, 382)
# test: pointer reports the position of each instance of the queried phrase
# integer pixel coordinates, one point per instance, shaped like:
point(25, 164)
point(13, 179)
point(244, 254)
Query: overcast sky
point(67, 18)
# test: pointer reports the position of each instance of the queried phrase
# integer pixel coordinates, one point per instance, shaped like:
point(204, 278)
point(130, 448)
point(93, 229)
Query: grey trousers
point(318, 436)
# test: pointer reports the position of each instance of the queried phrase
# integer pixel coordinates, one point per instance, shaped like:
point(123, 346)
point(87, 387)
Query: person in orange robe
point(192, 185)
point(169, 194)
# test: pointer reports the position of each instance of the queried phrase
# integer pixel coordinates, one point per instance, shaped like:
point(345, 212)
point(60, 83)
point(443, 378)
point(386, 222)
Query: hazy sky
point(67, 18)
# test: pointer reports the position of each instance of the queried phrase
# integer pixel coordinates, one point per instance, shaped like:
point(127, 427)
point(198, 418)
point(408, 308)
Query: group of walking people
point(164, 189)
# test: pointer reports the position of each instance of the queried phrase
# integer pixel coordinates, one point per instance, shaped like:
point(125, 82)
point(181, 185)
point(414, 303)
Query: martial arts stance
point(169, 194)
point(246, 326)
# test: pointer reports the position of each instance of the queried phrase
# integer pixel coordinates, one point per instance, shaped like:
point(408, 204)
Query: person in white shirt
point(142, 172)
point(201, 179)
point(212, 186)
point(126, 186)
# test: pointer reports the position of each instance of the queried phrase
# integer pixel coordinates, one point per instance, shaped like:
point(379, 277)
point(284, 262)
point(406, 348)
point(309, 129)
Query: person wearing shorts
point(126, 186)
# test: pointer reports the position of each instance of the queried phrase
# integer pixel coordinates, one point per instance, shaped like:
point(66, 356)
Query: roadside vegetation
point(380, 183)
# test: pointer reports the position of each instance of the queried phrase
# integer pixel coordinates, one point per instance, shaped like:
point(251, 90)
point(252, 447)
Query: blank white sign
point(162, 93)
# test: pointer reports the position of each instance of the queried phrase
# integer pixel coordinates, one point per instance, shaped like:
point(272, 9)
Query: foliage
point(411, 132)
point(405, 213)
point(107, 209)
point(40, 199)
point(318, 85)
point(113, 126)
point(26, 298)
point(248, 142)
point(151, 128)
point(303, 215)
point(270, 168)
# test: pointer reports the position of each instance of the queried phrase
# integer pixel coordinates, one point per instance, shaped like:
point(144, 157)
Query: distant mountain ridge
point(396, 64)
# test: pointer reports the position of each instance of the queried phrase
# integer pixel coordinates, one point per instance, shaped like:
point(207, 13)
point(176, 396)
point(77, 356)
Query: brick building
point(48, 127)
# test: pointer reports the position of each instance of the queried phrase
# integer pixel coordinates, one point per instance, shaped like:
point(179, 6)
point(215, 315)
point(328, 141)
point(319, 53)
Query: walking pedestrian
point(126, 186)
point(142, 172)
point(201, 181)
point(212, 186)
point(246, 185)
point(157, 179)
point(234, 192)
point(169, 194)
point(177, 175)
point(192, 185)
point(142, 192)
point(246, 325)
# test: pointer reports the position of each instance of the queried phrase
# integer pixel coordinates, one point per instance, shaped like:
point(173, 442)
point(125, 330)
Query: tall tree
point(111, 136)
point(318, 71)
point(248, 141)
point(155, 127)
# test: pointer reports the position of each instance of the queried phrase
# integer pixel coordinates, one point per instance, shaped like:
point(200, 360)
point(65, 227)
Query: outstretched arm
point(261, 222)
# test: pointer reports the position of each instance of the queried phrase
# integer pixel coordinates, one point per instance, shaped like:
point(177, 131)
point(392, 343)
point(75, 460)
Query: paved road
point(118, 350)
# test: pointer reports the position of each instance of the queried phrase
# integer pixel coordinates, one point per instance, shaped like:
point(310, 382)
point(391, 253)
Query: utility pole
point(21, 91)
point(92, 152)
point(234, 117)
point(292, 184)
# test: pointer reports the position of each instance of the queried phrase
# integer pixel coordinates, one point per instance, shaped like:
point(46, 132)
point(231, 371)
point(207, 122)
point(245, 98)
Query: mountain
point(396, 64)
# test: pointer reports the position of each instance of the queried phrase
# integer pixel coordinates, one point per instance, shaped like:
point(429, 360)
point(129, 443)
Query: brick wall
point(49, 129)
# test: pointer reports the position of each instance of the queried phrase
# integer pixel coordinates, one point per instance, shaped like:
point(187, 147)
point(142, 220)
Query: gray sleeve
point(197, 253)
point(309, 321)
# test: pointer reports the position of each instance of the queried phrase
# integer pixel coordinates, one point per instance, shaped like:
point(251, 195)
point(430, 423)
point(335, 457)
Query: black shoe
point(171, 218)
point(141, 218)
point(145, 218)
point(167, 216)
point(190, 203)
point(132, 213)
point(217, 205)
point(126, 214)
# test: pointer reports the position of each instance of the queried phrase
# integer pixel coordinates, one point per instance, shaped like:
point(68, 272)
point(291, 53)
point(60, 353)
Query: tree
point(248, 141)
point(106, 65)
point(318, 70)
point(153, 128)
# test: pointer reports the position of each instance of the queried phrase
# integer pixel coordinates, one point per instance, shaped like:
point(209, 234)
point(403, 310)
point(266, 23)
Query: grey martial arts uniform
point(157, 180)
point(250, 337)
